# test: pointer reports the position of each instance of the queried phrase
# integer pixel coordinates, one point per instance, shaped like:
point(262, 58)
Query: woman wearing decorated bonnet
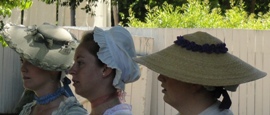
point(46, 52)
point(103, 65)
point(196, 70)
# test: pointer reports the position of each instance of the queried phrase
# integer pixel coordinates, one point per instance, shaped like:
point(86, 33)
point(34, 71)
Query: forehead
point(81, 49)
point(82, 52)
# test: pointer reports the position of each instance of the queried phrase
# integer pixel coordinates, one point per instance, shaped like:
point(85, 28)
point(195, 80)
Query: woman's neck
point(48, 89)
point(47, 109)
point(101, 104)
point(196, 106)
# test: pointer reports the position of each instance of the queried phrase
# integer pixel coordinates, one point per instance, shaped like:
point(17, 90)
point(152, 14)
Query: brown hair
point(88, 42)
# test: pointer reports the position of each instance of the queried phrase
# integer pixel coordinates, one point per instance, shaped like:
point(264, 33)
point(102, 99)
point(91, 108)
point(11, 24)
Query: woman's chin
point(77, 91)
point(27, 86)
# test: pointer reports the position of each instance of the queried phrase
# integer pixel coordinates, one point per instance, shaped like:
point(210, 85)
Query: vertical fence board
point(167, 39)
point(228, 38)
point(129, 92)
point(221, 34)
point(265, 67)
point(39, 13)
point(213, 32)
point(2, 81)
point(11, 82)
point(159, 43)
point(258, 83)
point(251, 60)
point(148, 91)
point(155, 99)
point(6, 74)
point(243, 39)
point(235, 51)
point(139, 89)
point(266, 80)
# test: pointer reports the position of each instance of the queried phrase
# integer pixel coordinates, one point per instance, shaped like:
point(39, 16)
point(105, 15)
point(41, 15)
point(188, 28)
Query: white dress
point(120, 109)
point(214, 110)
point(69, 106)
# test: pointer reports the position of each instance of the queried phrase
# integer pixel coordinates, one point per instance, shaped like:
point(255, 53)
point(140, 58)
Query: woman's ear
point(107, 71)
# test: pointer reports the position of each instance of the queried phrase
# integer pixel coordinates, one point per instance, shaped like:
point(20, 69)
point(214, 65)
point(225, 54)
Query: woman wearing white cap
point(196, 70)
point(103, 65)
point(46, 52)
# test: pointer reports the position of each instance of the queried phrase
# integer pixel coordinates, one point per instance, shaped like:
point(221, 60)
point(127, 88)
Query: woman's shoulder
point(27, 108)
point(120, 109)
point(70, 106)
point(214, 110)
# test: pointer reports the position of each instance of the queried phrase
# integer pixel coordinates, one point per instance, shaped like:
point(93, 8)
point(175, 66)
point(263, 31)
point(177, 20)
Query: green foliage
point(138, 6)
point(198, 14)
point(4, 44)
point(139, 9)
point(6, 7)
point(88, 8)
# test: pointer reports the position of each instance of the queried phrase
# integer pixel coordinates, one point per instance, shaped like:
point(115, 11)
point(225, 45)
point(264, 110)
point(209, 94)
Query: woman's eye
point(79, 63)
point(21, 59)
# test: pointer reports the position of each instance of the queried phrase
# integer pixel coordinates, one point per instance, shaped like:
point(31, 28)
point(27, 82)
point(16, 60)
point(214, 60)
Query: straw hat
point(200, 58)
point(47, 46)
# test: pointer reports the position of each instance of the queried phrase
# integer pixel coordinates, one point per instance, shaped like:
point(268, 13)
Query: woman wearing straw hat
point(103, 65)
point(46, 53)
point(196, 70)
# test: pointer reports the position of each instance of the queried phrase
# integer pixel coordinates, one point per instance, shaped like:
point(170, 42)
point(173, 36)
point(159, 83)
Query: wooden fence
point(10, 80)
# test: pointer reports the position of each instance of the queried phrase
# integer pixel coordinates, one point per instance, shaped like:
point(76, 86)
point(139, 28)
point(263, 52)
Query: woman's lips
point(75, 82)
point(25, 78)
point(164, 90)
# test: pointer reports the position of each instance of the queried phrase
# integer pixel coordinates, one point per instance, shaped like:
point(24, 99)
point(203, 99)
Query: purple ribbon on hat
point(205, 48)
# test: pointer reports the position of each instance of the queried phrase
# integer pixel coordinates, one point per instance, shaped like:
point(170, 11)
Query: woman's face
point(35, 78)
point(176, 93)
point(87, 74)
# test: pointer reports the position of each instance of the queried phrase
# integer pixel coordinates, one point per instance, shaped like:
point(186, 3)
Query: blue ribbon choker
point(205, 48)
point(51, 97)
point(65, 90)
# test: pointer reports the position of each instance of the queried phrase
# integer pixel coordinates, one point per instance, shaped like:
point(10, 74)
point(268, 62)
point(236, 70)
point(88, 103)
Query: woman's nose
point(161, 78)
point(24, 67)
point(72, 70)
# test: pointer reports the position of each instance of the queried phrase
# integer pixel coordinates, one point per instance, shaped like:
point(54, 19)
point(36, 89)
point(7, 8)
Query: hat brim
point(37, 53)
point(200, 68)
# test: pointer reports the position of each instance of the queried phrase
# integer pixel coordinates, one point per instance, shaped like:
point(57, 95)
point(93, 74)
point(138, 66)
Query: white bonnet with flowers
point(116, 51)
point(46, 46)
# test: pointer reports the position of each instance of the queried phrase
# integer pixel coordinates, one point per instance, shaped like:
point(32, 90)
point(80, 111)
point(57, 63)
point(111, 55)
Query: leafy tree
point(73, 4)
point(251, 6)
point(6, 7)
point(140, 10)
point(139, 7)
point(197, 14)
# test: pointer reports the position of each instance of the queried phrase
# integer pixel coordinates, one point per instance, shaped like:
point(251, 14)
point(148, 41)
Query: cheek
point(174, 87)
point(88, 74)
point(38, 72)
